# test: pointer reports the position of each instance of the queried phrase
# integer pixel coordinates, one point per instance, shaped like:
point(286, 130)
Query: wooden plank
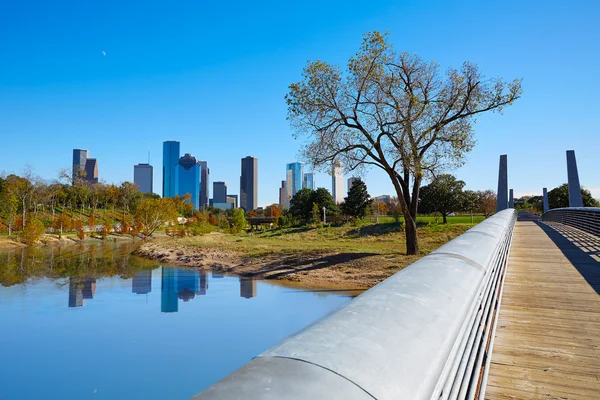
point(547, 342)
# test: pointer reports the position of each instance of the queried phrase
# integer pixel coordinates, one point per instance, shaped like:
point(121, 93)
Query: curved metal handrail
point(424, 333)
point(584, 218)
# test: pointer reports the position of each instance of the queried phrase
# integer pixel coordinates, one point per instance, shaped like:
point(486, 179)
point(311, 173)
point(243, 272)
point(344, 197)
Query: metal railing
point(585, 218)
point(424, 333)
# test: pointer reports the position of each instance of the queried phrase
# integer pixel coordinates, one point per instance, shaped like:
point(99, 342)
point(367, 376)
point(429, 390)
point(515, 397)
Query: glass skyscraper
point(189, 179)
point(294, 179)
point(309, 181)
point(170, 168)
point(249, 183)
point(204, 182)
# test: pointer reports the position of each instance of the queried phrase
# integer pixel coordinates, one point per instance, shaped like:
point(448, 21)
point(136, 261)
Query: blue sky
point(214, 77)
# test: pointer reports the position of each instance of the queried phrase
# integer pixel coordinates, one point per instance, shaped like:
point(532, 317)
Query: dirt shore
point(312, 258)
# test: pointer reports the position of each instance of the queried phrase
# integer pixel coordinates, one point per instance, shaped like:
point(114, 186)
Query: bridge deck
point(547, 343)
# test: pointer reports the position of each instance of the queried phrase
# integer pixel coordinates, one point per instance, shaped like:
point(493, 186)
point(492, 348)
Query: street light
point(324, 217)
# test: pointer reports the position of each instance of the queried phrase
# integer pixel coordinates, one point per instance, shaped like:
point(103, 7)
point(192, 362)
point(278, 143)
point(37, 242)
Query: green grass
point(427, 219)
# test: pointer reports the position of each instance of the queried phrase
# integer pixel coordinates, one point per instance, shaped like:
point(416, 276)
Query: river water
point(95, 322)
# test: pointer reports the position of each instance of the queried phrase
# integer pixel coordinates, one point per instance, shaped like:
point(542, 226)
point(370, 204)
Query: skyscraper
point(143, 177)
point(219, 192)
point(249, 183)
point(142, 282)
point(283, 200)
point(91, 170)
point(337, 182)
point(233, 199)
point(247, 287)
point(294, 175)
point(79, 158)
point(170, 168)
point(189, 179)
point(351, 182)
point(204, 183)
point(168, 296)
point(308, 182)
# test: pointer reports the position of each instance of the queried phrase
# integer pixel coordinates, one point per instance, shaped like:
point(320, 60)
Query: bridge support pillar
point(511, 199)
point(575, 199)
point(502, 195)
point(546, 205)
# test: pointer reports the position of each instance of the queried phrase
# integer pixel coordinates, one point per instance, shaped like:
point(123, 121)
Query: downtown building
point(294, 178)
point(143, 177)
point(85, 169)
point(337, 182)
point(204, 184)
point(308, 181)
point(249, 184)
point(352, 181)
point(170, 170)
point(189, 179)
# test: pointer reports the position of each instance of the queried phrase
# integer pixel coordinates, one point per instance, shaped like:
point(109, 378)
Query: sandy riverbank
point(339, 258)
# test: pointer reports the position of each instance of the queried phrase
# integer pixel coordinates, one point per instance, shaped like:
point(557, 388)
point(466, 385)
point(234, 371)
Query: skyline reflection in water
point(126, 307)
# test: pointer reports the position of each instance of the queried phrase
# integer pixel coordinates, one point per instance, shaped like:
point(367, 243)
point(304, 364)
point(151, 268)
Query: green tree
point(358, 200)
point(469, 202)
point(444, 195)
point(9, 205)
point(315, 214)
point(301, 204)
point(238, 220)
point(323, 198)
point(153, 214)
point(393, 111)
point(559, 197)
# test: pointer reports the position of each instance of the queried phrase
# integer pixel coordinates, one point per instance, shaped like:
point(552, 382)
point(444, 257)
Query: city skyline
point(128, 102)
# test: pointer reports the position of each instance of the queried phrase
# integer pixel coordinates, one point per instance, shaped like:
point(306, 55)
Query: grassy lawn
point(349, 257)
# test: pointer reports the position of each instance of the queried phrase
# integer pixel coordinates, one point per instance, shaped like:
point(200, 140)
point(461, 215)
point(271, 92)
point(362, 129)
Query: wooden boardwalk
point(547, 342)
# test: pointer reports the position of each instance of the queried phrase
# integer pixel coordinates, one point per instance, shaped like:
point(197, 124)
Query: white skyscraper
point(337, 182)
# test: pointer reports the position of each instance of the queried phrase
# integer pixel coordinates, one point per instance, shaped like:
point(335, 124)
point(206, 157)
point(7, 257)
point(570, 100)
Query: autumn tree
point(22, 189)
point(444, 195)
point(486, 202)
point(273, 211)
point(153, 214)
point(394, 111)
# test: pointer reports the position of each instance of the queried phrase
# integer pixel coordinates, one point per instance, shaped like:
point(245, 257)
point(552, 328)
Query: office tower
point(294, 175)
point(170, 171)
point(168, 296)
point(187, 284)
point(204, 183)
point(337, 182)
point(142, 282)
point(75, 293)
point(233, 199)
point(249, 184)
point(308, 182)
point(143, 177)
point(91, 170)
point(351, 182)
point(88, 288)
point(502, 194)
point(203, 287)
point(79, 158)
point(189, 179)
point(283, 200)
point(247, 287)
point(219, 192)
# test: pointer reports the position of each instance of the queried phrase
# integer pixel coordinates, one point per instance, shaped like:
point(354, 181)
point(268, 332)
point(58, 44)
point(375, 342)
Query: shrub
point(200, 228)
point(33, 231)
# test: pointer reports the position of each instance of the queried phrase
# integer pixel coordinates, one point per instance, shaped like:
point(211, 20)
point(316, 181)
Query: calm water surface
point(94, 322)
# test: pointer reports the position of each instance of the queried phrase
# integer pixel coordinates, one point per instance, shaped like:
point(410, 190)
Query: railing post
point(502, 196)
point(575, 199)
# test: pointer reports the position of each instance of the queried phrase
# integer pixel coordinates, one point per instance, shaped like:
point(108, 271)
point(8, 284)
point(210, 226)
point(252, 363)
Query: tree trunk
point(412, 239)
point(444, 218)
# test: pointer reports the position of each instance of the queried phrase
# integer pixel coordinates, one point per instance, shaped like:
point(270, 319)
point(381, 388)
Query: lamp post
point(324, 216)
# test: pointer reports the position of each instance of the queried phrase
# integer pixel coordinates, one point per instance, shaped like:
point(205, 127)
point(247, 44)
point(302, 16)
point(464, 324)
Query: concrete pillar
point(575, 199)
point(546, 205)
point(502, 195)
point(511, 199)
